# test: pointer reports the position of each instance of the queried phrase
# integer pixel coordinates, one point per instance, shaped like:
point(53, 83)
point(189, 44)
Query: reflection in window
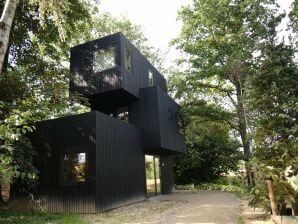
point(104, 59)
point(123, 114)
point(73, 168)
point(150, 76)
point(127, 60)
point(180, 122)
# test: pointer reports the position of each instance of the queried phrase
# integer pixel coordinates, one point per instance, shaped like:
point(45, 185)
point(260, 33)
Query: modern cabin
point(119, 153)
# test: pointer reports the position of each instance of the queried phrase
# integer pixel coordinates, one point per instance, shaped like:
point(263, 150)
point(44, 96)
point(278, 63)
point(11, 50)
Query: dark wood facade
point(113, 149)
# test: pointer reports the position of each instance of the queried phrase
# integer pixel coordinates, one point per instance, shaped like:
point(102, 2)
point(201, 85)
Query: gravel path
point(212, 207)
point(201, 207)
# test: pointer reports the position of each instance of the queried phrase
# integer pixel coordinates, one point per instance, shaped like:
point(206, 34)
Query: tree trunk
point(269, 182)
point(5, 27)
point(241, 114)
point(5, 188)
point(295, 207)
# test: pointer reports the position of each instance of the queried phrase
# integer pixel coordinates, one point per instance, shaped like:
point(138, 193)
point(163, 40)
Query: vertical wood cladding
point(115, 164)
point(168, 111)
point(120, 168)
point(52, 139)
point(160, 131)
point(167, 175)
point(88, 83)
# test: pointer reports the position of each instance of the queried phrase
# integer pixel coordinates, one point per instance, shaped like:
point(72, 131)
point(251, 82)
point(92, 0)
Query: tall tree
point(273, 100)
point(220, 39)
point(211, 150)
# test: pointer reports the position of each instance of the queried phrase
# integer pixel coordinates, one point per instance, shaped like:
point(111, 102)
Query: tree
point(219, 40)
point(5, 27)
point(273, 100)
point(211, 151)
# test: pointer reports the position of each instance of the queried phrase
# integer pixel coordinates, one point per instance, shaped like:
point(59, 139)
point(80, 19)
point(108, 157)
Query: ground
point(182, 207)
point(201, 207)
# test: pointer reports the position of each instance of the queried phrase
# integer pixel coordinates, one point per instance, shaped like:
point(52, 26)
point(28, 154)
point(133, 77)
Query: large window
point(104, 59)
point(127, 60)
point(150, 77)
point(152, 165)
point(73, 168)
point(123, 114)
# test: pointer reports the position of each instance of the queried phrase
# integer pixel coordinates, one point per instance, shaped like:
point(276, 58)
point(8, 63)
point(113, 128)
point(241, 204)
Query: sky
point(157, 17)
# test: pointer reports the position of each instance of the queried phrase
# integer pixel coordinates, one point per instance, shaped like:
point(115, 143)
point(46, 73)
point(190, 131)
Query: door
point(153, 182)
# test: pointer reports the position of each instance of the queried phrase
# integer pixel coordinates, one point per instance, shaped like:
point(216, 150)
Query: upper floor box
point(160, 122)
point(111, 66)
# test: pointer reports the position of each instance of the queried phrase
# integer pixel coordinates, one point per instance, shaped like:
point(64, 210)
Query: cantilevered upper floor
point(111, 68)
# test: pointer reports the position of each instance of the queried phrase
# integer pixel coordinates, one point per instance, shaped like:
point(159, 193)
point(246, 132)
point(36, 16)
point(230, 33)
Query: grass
point(16, 217)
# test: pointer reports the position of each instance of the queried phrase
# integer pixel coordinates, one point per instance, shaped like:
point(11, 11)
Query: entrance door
point(152, 175)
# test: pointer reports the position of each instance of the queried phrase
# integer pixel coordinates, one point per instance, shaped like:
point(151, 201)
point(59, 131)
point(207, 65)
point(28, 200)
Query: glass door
point(153, 182)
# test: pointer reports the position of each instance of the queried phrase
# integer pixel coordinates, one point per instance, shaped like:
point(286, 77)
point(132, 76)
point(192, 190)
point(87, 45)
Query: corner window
point(150, 77)
point(104, 59)
point(73, 168)
point(123, 114)
point(127, 60)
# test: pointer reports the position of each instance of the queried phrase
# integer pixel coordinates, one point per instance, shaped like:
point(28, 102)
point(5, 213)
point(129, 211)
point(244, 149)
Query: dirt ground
point(200, 207)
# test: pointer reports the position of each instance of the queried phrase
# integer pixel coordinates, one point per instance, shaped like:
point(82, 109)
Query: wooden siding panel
point(120, 165)
point(167, 175)
point(52, 139)
point(85, 82)
point(149, 118)
point(160, 133)
point(171, 138)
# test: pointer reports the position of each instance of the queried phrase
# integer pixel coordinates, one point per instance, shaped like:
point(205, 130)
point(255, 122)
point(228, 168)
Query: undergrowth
point(227, 184)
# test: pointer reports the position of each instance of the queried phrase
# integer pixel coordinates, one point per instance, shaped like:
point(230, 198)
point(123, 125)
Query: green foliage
point(14, 217)
point(219, 40)
point(211, 151)
point(274, 98)
point(227, 184)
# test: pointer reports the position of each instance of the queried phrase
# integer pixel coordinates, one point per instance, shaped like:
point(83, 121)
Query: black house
point(120, 152)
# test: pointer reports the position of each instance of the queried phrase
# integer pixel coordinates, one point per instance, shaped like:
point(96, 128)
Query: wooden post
point(269, 182)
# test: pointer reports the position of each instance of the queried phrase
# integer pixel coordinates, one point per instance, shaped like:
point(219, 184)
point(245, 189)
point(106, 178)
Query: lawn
point(14, 217)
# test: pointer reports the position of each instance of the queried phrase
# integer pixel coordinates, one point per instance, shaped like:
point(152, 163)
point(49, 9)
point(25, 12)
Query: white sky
point(157, 17)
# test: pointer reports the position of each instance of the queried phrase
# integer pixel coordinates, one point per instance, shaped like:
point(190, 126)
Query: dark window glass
point(127, 61)
point(104, 59)
point(170, 113)
point(73, 168)
point(150, 77)
point(123, 114)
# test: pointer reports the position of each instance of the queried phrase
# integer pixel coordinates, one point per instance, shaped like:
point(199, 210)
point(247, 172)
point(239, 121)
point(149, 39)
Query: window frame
point(95, 71)
point(127, 60)
point(73, 183)
point(123, 111)
point(150, 78)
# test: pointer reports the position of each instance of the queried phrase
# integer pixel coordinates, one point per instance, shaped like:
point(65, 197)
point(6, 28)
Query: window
point(180, 122)
point(104, 59)
point(170, 113)
point(127, 61)
point(73, 168)
point(150, 76)
point(123, 114)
